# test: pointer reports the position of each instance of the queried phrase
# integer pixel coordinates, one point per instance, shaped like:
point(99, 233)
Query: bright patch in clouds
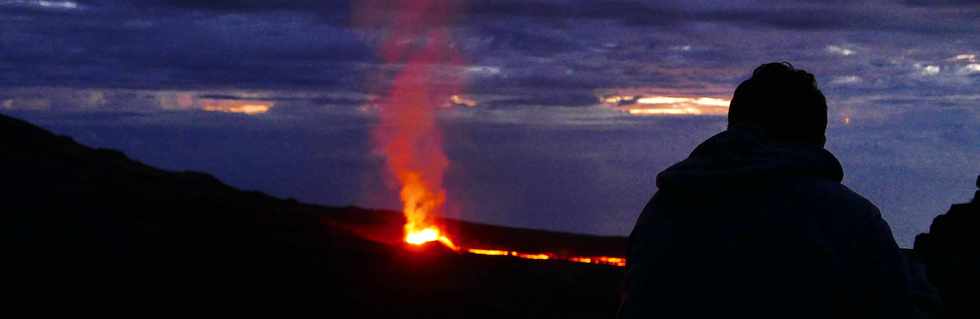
point(927, 70)
point(667, 105)
point(186, 101)
point(65, 5)
point(839, 50)
point(461, 100)
point(250, 107)
point(33, 104)
point(482, 70)
point(965, 58)
point(58, 4)
point(848, 79)
point(971, 68)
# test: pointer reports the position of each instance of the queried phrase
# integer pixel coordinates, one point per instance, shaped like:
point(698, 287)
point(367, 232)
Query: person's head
point(783, 102)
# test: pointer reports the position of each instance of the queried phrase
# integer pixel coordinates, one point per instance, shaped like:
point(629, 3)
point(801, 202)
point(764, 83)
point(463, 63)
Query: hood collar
point(740, 155)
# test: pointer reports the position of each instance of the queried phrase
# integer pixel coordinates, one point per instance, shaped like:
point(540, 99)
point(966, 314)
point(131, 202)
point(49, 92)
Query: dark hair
point(783, 102)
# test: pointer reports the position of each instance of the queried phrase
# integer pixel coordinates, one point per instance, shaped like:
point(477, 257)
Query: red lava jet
point(417, 42)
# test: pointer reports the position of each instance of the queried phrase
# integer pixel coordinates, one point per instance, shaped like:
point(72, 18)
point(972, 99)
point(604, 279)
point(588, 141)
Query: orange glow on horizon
point(462, 100)
point(670, 111)
point(667, 105)
point(236, 106)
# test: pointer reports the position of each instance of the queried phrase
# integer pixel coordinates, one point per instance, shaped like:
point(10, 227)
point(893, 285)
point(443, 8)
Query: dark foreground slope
point(951, 250)
point(91, 227)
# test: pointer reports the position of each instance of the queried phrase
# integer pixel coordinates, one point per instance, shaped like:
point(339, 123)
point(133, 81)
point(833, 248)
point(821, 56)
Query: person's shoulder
point(847, 199)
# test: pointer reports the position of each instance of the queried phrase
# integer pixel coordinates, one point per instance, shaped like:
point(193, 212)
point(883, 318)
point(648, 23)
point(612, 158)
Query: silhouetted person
point(951, 253)
point(756, 224)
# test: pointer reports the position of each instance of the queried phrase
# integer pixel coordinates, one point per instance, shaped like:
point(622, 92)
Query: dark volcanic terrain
point(93, 227)
point(90, 229)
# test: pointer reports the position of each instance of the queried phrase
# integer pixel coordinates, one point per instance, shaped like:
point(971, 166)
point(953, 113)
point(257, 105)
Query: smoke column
point(417, 43)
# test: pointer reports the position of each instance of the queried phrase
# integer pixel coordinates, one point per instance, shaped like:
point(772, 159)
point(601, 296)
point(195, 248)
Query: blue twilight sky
point(569, 109)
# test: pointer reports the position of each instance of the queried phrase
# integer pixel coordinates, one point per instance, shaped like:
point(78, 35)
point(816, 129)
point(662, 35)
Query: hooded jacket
point(745, 228)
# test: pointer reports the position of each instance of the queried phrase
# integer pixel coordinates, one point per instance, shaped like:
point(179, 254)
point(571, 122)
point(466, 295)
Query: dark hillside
point(951, 253)
point(94, 227)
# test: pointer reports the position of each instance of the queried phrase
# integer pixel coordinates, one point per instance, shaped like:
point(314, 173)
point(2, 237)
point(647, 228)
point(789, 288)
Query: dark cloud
point(286, 44)
point(944, 3)
point(185, 51)
point(564, 13)
point(318, 100)
point(833, 18)
point(557, 99)
point(261, 6)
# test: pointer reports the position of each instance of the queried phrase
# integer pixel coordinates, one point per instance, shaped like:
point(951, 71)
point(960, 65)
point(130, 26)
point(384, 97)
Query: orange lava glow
point(427, 235)
point(615, 261)
point(488, 252)
point(418, 44)
point(236, 106)
point(533, 256)
point(598, 260)
point(601, 260)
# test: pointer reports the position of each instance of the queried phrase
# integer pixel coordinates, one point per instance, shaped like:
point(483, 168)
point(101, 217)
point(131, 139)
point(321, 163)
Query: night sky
point(561, 124)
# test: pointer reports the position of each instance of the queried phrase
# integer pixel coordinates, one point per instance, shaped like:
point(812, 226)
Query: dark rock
point(951, 253)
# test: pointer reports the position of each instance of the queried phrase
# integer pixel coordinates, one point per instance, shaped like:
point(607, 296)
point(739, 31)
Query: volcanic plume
point(417, 43)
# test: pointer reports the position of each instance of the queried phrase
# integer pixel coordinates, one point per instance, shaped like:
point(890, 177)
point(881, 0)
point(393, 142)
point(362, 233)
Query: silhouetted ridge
point(106, 215)
point(951, 253)
point(93, 227)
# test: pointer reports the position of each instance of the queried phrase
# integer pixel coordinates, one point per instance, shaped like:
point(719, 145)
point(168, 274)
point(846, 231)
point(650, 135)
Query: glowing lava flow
point(417, 43)
point(599, 260)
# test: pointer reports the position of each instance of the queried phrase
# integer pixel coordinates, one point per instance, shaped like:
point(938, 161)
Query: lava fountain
point(417, 44)
point(417, 80)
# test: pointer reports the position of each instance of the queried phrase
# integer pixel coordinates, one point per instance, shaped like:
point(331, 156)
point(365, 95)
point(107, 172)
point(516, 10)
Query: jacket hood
point(741, 155)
